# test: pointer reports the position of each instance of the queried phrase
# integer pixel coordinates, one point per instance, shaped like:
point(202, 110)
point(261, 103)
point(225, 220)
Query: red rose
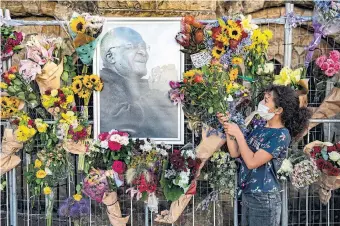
point(321, 164)
point(317, 149)
point(331, 148)
point(244, 34)
point(338, 145)
point(30, 122)
point(119, 167)
point(176, 152)
point(48, 92)
point(233, 43)
point(328, 166)
point(103, 136)
point(191, 163)
point(198, 79)
point(114, 146)
point(74, 108)
point(334, 172)
point(219, 44)
point(123, 134)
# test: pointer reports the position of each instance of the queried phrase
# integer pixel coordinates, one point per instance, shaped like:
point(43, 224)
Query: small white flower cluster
point(182, 180)
point(123, 140)
point(170, 173)
point(286, 170)
point(189, 154)
point(304, 174)
point(151, 145)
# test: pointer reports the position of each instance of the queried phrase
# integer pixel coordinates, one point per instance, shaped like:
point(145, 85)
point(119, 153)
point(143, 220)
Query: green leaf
point(11, 89)
point(21, 95)
point(78, 188)
point(211, 110)
point(16, 88)
point(32, 96)
point(171, 192)
point(64, 76)
point(17, 82)
point(33, 103)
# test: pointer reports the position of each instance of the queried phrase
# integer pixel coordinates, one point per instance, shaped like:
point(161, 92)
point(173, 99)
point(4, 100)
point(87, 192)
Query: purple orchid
point(176, 96)
point(174, 85)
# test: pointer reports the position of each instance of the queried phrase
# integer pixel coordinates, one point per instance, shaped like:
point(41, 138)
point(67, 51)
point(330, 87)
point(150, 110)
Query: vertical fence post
point(288, 31)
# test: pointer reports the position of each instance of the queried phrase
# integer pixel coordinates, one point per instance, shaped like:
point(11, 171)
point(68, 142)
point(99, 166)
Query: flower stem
point(85, 69)
point(81, 162)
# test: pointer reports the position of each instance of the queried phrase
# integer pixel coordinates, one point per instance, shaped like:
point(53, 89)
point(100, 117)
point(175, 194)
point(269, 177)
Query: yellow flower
point(3, 85)
point(234, 30)
point(94, 79)
point(77, 197)
point(47, 190)
point(23, 133)
point(11, 76)
point(191, 73)
point(41, 126)
point(69, 99)
point(99, 86)
point(233, 74)
point(295, 75)
point(37, 163)
point(268, 33)
point(54, 92)
point(217, 52)
point(237, 60)
point(78, 24)
point(229, 87)
point(84, 94)
point(77, 85)
point(222, 38)
point(88, 85)
point(246, 23)
point(41, 174)
point(69, 117)
point(283, 78)
point(5, 101)
point(250, 63)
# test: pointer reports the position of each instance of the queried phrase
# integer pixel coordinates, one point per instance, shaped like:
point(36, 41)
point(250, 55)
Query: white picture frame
point(165, 57)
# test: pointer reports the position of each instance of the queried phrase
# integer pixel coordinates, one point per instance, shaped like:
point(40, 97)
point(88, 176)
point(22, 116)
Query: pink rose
point(330, 72)
point(337, 66)
point(103, 136)
point(324, 66)
point(114, 146)
point(319, 61)
point(334, 55)
point(119, 167)
point(330, 63)
point(123, 134)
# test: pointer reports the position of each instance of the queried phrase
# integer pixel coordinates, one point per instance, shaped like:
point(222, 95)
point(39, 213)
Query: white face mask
point(262, 110)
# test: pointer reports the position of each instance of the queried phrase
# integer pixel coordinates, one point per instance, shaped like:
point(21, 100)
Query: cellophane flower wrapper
point(86, 41)
point(326, 19)
point(95, 188)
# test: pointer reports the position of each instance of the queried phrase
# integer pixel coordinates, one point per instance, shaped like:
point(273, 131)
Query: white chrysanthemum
point(286, 166)
point(104, 144)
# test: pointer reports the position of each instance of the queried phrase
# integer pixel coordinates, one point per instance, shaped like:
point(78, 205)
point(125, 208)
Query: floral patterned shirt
point(263, 179)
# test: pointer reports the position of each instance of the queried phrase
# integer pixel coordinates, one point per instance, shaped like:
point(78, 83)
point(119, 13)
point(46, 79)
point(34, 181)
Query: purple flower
point(174, 84)
point(176, 96)
point(75, 211)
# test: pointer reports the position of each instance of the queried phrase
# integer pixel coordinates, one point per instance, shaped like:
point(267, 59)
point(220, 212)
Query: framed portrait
point(136, 58)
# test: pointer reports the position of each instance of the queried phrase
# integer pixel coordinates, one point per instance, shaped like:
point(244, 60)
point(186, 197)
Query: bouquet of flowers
point(327, 158)
point(292, 78)
point(83, 86)
point(10, 42)
point(331, 65)
point(326, 18)
point(191, 36)
point(50, 168)
point(221, 177)
point(229, 38)
point(9, 106)
point(178, 173)
point(25, 127)
point(85, 30)
point(15, 85)
point(58, 101)
point(76, 207)
point(44, 62)
point(144, 171)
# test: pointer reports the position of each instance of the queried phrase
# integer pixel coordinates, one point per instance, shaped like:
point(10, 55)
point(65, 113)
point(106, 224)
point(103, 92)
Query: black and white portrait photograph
point(136, 58)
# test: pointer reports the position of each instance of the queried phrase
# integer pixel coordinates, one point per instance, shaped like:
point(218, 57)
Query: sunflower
point(77, 85)
point(235, 32)
point(99, 86)
point(222, 38)
point(217, 52)
point(237, 61)
point(84, 94)
point(94, 79)
point(78, 24)
point(233, 74)
point(5, 102)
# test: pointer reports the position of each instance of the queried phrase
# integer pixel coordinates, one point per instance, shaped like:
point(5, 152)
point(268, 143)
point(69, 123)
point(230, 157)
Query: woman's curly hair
point(294, 118)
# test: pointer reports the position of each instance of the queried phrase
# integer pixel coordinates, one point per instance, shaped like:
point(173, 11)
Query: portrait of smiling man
point(127, 103)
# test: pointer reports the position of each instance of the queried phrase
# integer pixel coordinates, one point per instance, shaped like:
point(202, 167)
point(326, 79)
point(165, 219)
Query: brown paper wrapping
point(82, 39)
point(8, 159)
point(303, 99)
point(204, 151)
point(114, 213)
point(326, 183)
point(329, 108)
point(50, 76)
point(176, 209)
point(76, 148)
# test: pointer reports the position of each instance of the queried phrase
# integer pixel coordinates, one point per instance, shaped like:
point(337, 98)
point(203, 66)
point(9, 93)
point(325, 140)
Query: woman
point(263, 151)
